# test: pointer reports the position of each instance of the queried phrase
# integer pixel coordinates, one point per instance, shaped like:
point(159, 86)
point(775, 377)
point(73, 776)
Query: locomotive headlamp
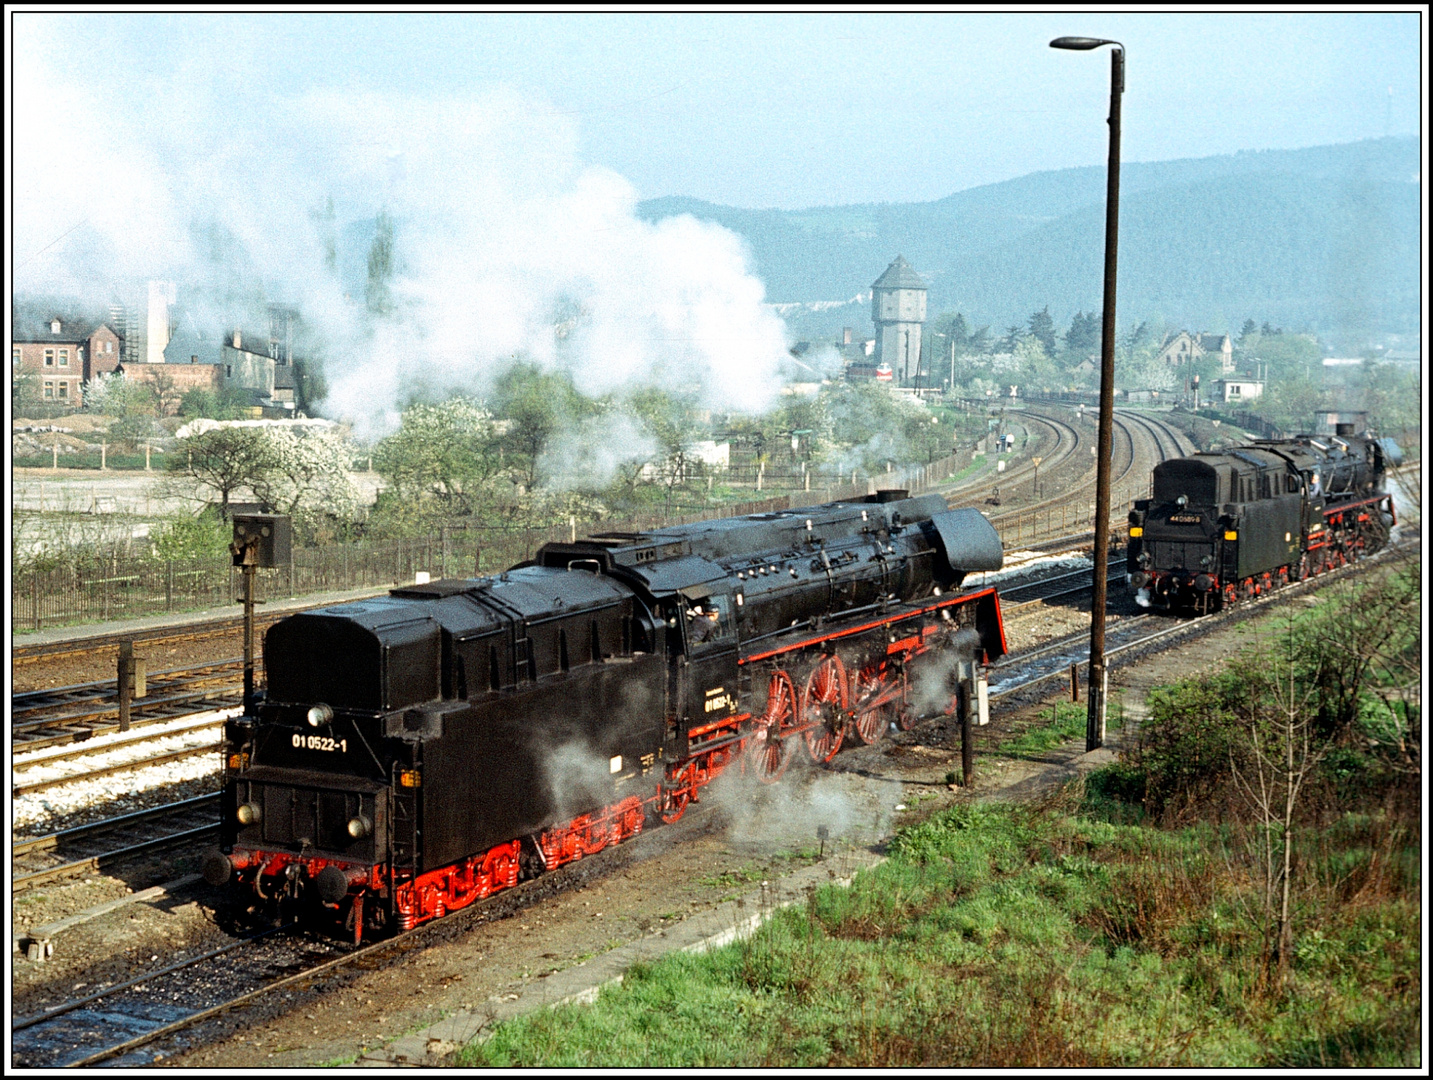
point(359, 827)
point(319, 715)
point(1138, 579)
point(1182, 501)
point(249, 814)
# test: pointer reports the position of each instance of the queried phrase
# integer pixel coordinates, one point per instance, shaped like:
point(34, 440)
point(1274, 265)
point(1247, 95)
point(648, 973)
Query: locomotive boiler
point(1224, 526)
point(415, 752)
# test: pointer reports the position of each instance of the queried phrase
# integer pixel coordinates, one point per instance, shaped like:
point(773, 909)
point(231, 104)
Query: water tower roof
point(899, 275)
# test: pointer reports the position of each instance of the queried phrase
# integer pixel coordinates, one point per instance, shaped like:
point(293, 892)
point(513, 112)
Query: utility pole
point(1099, 675)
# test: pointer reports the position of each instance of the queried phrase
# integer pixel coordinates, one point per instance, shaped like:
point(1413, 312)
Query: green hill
point(1324, 238)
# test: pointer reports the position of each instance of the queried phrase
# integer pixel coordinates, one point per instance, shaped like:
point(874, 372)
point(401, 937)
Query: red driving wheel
point(823, 705)
point(872, 721)
point(771, 753)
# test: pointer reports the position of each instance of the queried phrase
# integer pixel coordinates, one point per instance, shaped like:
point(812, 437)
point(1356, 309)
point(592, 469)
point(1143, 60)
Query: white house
point(1233, 391)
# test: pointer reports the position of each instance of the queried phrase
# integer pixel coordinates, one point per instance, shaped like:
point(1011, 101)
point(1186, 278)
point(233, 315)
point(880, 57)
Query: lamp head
point(1081, 43)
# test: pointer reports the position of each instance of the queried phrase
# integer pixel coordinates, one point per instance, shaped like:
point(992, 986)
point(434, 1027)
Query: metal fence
point(126, 588)
point(1065, 518)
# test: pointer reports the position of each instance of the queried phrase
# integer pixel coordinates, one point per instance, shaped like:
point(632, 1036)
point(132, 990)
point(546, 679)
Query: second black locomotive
point(1223, 526)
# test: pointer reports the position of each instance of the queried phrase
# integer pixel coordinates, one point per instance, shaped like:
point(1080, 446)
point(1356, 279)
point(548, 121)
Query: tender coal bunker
point(1197, 480)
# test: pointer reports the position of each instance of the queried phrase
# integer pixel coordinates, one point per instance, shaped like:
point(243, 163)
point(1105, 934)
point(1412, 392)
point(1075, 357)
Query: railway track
point(22, 783)
point(102, 844)
point(118, 1023)
point(76, 713)
point(1053, 588)
point(187, 632)
point(108, 1025)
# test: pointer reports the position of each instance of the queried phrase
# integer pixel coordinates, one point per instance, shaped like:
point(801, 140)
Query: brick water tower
point(898, 310)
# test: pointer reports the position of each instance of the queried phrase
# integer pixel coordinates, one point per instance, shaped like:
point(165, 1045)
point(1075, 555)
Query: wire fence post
point(35, 597)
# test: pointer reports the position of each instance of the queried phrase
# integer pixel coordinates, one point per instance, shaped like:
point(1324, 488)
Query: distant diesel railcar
point(1227, 525)
point(415, 752)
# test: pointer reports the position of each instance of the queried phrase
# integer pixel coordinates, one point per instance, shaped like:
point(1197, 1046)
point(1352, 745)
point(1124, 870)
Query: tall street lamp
point(1099, 676)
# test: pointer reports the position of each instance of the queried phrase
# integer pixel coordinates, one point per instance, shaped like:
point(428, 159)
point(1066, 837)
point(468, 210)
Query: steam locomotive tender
point(1221, 527)
point(415, 752)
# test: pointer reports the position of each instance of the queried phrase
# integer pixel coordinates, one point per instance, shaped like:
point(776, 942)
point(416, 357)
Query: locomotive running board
point(985, 597)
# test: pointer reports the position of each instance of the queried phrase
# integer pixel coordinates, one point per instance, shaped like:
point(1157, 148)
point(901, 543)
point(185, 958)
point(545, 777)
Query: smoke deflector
point(970, 541)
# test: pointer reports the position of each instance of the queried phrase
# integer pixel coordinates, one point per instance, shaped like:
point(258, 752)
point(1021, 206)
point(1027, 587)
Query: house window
point(64, 389)
point(109, 346)
point(49, 389)
point(1233, 391)
point(49, 357)
point(64, 358)
point(228, 371)
point(14, 357)
point(54, 326)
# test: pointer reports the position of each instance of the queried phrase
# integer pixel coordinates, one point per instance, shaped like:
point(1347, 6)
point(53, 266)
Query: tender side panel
point(519, 760)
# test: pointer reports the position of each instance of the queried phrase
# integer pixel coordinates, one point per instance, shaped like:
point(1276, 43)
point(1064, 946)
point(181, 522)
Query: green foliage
point(114, 395)
point(866, 424)
point(378, 293)
point(998, 936)
point(1283, 352)
point(185, 537)
point(442, 460)
point(1067, 721)
point(1042, 329)
point(1083, 337)
point(25, 390)
point(1392, 395)
point(1184, 746)
point(535, 405)
point(1354, 655)
point(222, 461)
point(224, 404)
point(672, 422)
point(305, 476)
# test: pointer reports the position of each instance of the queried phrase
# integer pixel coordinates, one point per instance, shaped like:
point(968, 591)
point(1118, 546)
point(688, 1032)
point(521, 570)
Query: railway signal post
point(259, 540)
point(1099, 683)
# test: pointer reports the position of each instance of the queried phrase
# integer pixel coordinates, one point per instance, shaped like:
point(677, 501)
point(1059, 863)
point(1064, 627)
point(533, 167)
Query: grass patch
point(1012, 937)
point(1067, 721)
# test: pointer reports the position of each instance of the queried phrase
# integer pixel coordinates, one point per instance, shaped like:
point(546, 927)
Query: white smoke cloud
point(589, 454)
point(502, 235)
point(793, 812)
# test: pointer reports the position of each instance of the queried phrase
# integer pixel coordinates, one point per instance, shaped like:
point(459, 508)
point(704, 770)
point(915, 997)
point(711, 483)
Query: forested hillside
point(1323, 239)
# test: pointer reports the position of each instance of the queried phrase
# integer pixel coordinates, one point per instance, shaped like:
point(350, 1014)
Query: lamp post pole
point(1098, 679)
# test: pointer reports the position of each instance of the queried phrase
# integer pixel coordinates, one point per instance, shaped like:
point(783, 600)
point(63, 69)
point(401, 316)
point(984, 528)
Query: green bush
point(184, 538)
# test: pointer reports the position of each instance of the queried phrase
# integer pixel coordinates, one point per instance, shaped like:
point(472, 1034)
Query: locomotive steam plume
point(427, 241)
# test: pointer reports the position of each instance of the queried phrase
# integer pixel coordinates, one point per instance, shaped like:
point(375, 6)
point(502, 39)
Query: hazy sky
point(776, 109)
point(243, 156)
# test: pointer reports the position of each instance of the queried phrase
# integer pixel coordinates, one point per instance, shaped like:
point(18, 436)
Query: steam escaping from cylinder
point(772, 819)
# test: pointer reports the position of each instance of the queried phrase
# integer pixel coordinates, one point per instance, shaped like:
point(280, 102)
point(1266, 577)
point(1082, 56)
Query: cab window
point(708, 620)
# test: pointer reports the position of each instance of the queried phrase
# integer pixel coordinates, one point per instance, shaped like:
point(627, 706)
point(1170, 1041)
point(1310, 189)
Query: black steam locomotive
point(415, 752)
point(1225, 526)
